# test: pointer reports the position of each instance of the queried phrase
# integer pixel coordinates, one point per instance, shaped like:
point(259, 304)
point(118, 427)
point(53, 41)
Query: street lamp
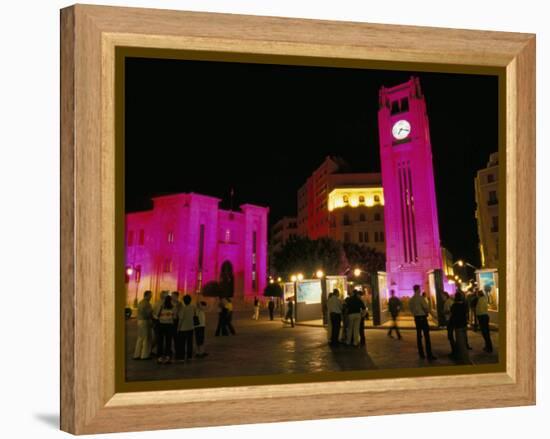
point(293, 278)
point(319, 274)
point(300, 276)
point(279, 279)
point(357, 272)
point(129, 271)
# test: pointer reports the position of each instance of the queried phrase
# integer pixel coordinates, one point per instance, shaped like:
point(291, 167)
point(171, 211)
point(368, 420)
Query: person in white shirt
point(334, 309)
point(142, 350)
point(482, 313)
point(156, 328)
point(184, 337)
point(419, 309)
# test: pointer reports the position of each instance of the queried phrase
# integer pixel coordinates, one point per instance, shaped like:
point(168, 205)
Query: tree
point(304, 255)
point(273, 290)
point(366, 258)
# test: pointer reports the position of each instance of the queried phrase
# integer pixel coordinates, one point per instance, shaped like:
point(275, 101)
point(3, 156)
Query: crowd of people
point(346, 318)
point(174, 330)
point(170, 329)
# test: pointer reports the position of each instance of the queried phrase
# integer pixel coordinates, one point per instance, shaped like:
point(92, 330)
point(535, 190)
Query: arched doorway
point(227, 278)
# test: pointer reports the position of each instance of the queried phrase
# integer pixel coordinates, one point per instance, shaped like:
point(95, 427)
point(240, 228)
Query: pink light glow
point(184, 240)
point(412, 230)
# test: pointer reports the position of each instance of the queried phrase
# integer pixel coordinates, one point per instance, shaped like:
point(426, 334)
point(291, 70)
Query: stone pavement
point(269, 348)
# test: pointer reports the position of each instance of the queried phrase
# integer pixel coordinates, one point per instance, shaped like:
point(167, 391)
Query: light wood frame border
point(89, 35)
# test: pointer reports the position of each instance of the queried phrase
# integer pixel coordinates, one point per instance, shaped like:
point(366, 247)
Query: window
point(346, 221)
point(377, 198)
point(490, 178)
point(360, 236)
point(362, 217)
point(494, 224)
point(227, 237)
point(377, 217)
point(492, 198)
point(404, 105)
point(394, 107)
point(141, 239)
point(345, 199)
point(366, 236)
point(170, 237)
point(381, 236)
point(130, 240)
point(362, 199)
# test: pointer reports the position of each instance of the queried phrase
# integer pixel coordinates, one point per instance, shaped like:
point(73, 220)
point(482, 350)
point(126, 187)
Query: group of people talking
point(170, 329)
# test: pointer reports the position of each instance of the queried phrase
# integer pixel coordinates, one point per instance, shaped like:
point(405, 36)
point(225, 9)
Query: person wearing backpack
point(166, 317)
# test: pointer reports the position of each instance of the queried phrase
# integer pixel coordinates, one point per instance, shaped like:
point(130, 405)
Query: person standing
point(175, 295)
point(271, 307)
point(200, 324)
point(447, 304)
point(471, 300)
point(290, 312)
point(458, 320)
point(229, 316)
point(395, 306)
point(355, 307)
point(364, 314)
point(334, 309)
point(222, 318)
point(166, 318)
point(482, 314)
point(419, 309)
point(256, 314)
point(142, 350)
point(186, 324)
point(156, 328)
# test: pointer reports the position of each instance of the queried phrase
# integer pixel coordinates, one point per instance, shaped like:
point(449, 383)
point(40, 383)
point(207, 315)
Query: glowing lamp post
point(319, 274)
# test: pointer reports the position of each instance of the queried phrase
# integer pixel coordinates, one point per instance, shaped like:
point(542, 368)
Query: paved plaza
point(267, 347)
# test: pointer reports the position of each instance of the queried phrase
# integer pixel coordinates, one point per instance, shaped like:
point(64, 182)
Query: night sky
point(262, 129)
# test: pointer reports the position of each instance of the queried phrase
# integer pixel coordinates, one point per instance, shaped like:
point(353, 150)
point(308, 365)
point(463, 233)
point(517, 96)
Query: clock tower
point(410, 212)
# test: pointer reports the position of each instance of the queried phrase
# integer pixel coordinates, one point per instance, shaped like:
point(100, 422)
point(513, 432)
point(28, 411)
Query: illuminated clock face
point(401, 129)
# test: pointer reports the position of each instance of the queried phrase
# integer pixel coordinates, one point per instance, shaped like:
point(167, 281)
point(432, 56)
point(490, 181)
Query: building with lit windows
point(486, 193)
point(282, 231)
point(186, 240)
point(345, 206)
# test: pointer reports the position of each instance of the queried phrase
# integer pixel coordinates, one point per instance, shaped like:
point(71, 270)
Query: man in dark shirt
point(355, 307)
point(395, 306)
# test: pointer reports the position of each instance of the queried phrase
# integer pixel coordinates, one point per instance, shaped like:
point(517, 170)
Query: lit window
point(345, 199)
point(361, 199)
point(377, 198)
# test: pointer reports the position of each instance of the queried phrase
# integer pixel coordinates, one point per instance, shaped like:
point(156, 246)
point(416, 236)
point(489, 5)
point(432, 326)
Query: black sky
point(208, 126)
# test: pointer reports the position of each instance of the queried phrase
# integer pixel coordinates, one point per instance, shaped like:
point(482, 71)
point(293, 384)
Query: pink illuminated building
point(186, 239)
point(411, 223)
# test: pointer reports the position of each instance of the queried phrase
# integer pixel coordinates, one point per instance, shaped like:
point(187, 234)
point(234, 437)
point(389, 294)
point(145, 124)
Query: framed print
point(280, 216)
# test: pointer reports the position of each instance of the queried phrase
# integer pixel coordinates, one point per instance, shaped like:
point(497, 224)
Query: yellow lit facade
point(355, 197)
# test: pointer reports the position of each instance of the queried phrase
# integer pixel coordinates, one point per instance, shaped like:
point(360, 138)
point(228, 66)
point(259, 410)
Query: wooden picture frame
point(90, 402)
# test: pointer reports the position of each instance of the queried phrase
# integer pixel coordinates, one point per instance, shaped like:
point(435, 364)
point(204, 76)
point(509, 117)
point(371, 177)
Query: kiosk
point(380, 297)
point(309, 294)
point(487, 281)
point(435, 296)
